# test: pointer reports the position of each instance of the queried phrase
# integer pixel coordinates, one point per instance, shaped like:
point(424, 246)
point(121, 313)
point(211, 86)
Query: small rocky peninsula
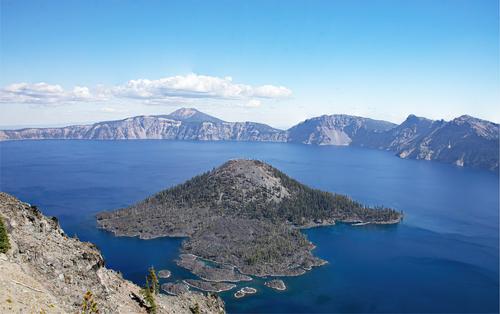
point(242, 218)
point(42, 270)
point(276, 284)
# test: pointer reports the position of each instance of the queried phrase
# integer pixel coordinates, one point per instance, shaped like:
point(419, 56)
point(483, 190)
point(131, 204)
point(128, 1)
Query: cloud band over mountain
point(150, 91)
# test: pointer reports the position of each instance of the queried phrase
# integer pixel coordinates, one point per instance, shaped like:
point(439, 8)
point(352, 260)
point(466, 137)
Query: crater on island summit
point(245, 217)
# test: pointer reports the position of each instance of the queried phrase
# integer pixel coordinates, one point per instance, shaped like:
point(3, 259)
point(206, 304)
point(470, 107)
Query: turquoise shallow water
point(442, 258)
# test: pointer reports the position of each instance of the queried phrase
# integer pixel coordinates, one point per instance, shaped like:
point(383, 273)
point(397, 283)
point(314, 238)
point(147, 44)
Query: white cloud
point(197, 86)
point(270, 91)
point(43, 93)
point(168, 90)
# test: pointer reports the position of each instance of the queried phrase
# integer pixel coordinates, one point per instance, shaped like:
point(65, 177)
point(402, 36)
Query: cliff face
point(183, 124)
point(335, 130)
point(46, 271)
point(464, 141)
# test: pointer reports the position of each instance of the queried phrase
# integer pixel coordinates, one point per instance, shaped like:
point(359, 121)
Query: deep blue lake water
point(442, 258)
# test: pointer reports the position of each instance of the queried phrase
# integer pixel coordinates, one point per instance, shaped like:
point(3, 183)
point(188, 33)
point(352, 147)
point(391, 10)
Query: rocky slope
point(47, 272)
point(182, 124)
point(464, 141)
point(335, 130)
point(244, 213)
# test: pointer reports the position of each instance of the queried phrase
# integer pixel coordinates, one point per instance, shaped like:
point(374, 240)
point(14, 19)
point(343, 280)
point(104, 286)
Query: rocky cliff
point(46, 271)
point(335, 130)
point(464, 141)
point(183, 124)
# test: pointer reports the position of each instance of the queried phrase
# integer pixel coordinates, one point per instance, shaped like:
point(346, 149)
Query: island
point(242, 219)
point(164, 273)
point(206, 272)
point(209, 286)
point(276, 284)
point(175, 288)
point(244, 291)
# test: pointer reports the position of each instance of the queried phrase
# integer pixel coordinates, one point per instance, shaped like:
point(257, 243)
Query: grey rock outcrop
point(335, 130)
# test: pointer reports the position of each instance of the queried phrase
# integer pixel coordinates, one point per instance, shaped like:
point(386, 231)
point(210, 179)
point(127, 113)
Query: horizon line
point(68, 124)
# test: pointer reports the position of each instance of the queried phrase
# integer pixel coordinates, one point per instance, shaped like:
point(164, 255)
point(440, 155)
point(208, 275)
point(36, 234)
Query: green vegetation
point(273, 246)
point(225, 193)
point(313, 204)
point(151, 288)
point(89, 306)
point(245, 214)
point(4, 238)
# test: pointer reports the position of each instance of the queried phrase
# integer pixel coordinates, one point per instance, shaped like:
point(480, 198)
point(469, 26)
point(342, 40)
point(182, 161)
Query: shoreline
point(204, 260)
point(288, 272)
point(213, 290)
point(324, 262)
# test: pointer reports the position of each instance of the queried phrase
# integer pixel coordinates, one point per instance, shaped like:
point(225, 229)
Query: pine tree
point(151, 288)
point(153, 279)
point(4, 238)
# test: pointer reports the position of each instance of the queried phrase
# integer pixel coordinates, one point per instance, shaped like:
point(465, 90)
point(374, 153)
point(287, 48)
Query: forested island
point(244, 217)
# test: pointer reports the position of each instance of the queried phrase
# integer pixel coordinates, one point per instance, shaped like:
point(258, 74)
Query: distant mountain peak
point(468, 118)
point(483, 128)
point(184, 112)
point(192, 115)
point(474, 141)
point(415, 118)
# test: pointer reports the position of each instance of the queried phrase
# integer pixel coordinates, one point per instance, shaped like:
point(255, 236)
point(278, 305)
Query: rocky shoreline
point(276, 284)
point(218, 273)
point(209, 286)
point(244, 291)
point(164, 274)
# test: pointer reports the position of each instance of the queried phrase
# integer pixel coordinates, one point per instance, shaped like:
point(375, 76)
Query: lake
point(443, 257)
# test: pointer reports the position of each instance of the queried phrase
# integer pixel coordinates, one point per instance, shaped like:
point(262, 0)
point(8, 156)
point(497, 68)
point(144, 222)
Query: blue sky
point(277, 62)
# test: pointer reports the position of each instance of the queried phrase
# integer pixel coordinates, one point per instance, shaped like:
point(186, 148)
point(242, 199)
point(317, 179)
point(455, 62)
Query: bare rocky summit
point(47, 271)
point(243, 216)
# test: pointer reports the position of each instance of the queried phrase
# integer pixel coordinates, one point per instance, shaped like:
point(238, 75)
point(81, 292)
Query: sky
point(276, 62)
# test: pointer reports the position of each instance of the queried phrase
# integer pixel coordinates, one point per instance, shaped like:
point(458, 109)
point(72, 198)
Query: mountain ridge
point(465, 141)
